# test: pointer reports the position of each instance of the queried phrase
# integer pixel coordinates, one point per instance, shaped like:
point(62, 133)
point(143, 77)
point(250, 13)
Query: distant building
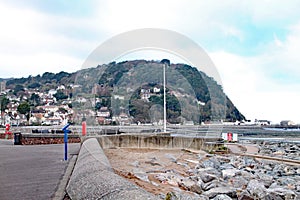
point(189, 123)
point(156, 90)
point(52, 92)
point(262, 122)
point(104, 112)
point(145, 94)
point(61, 87)
point(81, 99)
point(3, 87)
point(287, 123)
point(120, 97)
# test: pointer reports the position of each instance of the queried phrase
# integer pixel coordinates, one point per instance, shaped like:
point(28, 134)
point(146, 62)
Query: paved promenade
point(32, 172)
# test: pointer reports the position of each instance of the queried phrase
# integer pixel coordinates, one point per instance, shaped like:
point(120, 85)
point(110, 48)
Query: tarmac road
point(32, 172)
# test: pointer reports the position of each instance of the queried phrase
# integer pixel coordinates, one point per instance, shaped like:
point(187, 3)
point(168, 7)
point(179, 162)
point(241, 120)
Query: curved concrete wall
point(157, 141)
point(94, 178)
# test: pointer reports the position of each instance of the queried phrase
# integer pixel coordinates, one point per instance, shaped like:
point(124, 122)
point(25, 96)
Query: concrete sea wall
point(94, 178)
point(157, 141)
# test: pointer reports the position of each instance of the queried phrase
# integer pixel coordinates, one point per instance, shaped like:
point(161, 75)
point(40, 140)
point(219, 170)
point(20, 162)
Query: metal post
point(66, 143)
point(66, 131)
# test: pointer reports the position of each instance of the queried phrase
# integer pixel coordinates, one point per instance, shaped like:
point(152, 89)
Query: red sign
point(229, 136)
point(7, 127)
point(83, 128)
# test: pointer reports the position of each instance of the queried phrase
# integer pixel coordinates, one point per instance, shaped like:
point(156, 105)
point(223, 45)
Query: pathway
point(32, 172)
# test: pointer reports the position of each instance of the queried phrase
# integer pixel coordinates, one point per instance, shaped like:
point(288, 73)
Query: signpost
point(66, 131)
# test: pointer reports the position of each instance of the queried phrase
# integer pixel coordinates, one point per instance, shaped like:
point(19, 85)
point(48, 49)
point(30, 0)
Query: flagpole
point(165, 102)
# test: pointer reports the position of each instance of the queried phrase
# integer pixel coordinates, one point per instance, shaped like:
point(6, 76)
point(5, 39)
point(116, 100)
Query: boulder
point(229, 191)
point(183, 195)
point(249, 161)
point(210, 185)
point(212, 162)
point(244, 195)
point(272, 197)
point(229, 173)
point(205, 177)
point(256, 189)
point(265, 179)
point(226, 166)
point(186, 183)
point(222, 197)
point(238, 182)
point(282, 193)
point(208, 170)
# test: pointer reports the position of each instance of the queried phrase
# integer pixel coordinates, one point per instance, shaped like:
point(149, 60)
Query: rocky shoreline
point(220, 177)
point(285, 150)
point(237, 177)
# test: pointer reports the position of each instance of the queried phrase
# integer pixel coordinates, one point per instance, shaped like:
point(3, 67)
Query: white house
point(52, 92)
point(61, 87)
point(156, 90)
point(104, 112)
point(119, 97)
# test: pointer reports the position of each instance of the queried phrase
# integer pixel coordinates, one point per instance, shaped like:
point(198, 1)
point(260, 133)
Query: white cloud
point(250, 81)
point(32, 42)
point(262, 86)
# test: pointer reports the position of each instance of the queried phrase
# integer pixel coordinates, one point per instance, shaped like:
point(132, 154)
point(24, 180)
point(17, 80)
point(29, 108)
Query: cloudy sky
point(253, 44)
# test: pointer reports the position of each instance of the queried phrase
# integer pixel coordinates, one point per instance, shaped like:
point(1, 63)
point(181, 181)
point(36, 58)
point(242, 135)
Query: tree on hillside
point(35, 99)
point(4, 103)
point(18, 88)
point(34, 85)
point(60, 95)
point(24, 108)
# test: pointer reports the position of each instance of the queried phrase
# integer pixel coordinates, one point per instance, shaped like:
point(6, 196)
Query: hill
point(135, 88)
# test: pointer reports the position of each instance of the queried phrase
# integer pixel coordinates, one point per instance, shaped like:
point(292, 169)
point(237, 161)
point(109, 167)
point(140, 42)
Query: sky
point(253, 44)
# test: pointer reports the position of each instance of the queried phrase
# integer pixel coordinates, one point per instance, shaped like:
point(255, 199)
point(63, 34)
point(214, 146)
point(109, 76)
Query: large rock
point(256, 189)
point(238, 182)
point(283, 193)
point(222, 197)
point(229, 173)
point(210, 185)
point(272, 197)
point(190, 185)
point(205, 177)
point(244, 195)
point(212, 162)
point(231, 192)
point(226, 166)
point(265, 179)
point(208, 170)
point(175, 195)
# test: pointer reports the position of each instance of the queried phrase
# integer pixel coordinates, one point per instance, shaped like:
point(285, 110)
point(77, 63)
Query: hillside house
point(52, 92)
point(12, 108)
point(61, 87)
point(120, 97)
point(49, 108)
point(103, 112)
point(53, 121)
point(145, 94)
point(156, 90)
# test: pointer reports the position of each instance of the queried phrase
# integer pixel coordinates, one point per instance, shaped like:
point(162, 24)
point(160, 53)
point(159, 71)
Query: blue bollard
point(66, 131)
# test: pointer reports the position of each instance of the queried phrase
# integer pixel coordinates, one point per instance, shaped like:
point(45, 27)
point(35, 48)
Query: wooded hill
point(128, 87)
